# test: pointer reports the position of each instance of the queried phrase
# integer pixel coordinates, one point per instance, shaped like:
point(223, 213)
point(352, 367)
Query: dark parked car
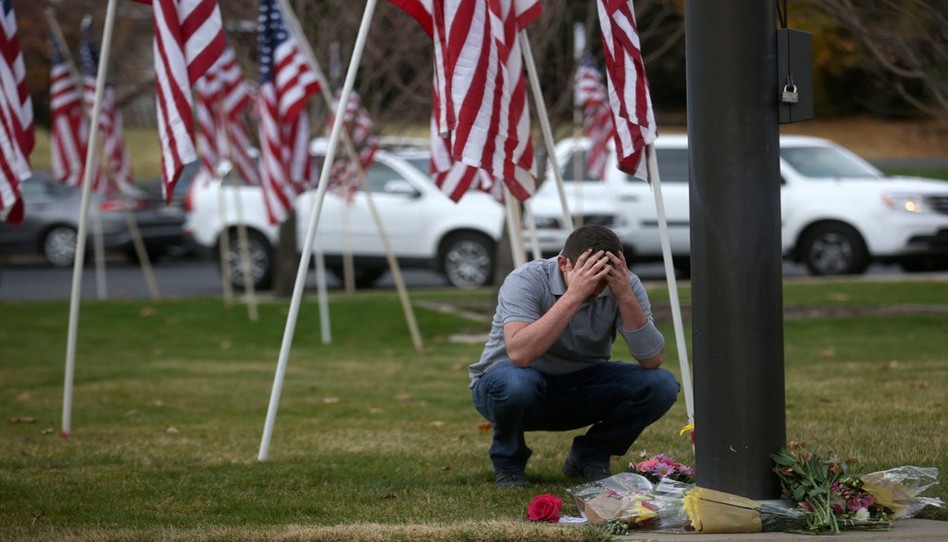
point(51, 222)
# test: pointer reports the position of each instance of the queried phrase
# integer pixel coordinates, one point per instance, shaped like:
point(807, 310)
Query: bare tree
point(905, 46)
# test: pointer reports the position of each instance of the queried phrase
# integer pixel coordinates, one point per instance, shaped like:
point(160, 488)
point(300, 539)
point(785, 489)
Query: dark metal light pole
point(737, 312)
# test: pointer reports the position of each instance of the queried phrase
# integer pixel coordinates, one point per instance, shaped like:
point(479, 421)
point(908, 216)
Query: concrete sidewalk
point(913, 530)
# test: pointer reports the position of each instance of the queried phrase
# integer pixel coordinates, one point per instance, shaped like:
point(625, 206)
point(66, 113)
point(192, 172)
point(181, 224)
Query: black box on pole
point(794, 75)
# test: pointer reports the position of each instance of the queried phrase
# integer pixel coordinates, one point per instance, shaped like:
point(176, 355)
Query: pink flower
point(856, 503)
point(664, 470)
point(545, 507)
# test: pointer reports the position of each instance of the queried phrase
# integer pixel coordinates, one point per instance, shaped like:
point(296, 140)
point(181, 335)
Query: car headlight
point(909, 203)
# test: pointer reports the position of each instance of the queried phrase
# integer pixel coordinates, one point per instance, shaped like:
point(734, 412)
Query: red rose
point(545, 507)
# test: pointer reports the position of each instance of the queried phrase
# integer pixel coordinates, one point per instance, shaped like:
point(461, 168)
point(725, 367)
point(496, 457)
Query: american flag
point(286, 82)
point(118, 170)
point(361, 130)
point(453, 178)
point(189, 38)
point(591, 96)
point(16, 117)
point(481, 103)
point(67, 138)
point(628, 86)
point(223, 95)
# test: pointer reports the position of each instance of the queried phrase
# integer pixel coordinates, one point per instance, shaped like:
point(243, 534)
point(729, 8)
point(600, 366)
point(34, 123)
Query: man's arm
point(526, 341)
point(634, 319)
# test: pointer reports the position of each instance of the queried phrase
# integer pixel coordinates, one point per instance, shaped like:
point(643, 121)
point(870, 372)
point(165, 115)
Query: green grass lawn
point(373, 440)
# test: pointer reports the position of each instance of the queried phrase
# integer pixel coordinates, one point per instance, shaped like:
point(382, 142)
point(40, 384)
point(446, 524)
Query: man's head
point(592, 237)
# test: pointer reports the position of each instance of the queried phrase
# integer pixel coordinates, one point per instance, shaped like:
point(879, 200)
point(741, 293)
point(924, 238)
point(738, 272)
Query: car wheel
point(467, 260)
point(59, 246)
point(833, 249)
point(260, 259)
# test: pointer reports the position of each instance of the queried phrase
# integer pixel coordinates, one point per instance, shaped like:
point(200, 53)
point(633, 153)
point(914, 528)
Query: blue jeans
point(618, 399)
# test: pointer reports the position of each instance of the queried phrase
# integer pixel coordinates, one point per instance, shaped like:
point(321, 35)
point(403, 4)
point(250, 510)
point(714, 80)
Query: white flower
point(861, 515)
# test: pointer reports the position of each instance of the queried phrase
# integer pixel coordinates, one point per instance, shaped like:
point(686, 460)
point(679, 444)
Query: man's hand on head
point(618, 275)
point(585, 275)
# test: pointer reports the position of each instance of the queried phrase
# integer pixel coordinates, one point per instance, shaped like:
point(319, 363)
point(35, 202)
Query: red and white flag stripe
point(453, 178)
point(481, 106)
point(189, 37)
point(488, 121)
point(113, 139)
point(361, 130)
point(67, 140)
point(628, 86)
point(16, 117)
point(592, 97)
point(117, 173)
point(287, 82)
point(222, 96)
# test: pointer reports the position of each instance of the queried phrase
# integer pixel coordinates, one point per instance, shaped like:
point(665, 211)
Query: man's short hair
point(590, 236)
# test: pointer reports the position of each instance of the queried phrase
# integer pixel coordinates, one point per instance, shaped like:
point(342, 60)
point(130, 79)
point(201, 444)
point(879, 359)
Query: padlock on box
point(794, 75)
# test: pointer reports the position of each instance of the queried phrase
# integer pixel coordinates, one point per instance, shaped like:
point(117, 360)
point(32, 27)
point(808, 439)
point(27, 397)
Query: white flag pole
point(98, 243)
point(393, 266)
point(579, 45)
point(243, 244)
point(672, 284)
point(545, 129)
point(514, 228)
point(532, 225)
point(324, 324)
point(223, 247)
point(311, 228)
point(140, 251)
point(83, 215)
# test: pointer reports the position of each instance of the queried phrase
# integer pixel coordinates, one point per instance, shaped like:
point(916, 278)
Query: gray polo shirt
point(529, 292)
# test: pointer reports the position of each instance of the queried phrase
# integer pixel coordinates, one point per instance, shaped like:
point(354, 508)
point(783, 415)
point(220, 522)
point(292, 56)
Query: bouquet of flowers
point(628, 498)
point(661, 466)
point(711, 511)
point(823, 488)
point(900, 489)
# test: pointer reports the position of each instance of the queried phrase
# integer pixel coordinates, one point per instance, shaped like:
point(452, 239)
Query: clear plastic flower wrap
point(633, 500)
point(900, 489)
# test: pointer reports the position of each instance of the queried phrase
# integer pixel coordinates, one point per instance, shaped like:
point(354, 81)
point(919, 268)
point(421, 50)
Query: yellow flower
point(642, 513)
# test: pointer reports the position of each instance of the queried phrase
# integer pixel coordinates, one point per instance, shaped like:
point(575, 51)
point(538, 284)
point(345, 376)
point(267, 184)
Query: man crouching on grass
point(547, 362)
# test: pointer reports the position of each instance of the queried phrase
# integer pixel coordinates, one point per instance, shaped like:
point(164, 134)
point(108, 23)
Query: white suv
point(839, 213)
point(425, 228)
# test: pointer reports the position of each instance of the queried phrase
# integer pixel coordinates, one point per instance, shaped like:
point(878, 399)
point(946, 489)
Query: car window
point(575, 168)
point(32, 190)
point(42, 190)
point(826, 163)
point(423, 163)
point(672, 166)
point(378, 175)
